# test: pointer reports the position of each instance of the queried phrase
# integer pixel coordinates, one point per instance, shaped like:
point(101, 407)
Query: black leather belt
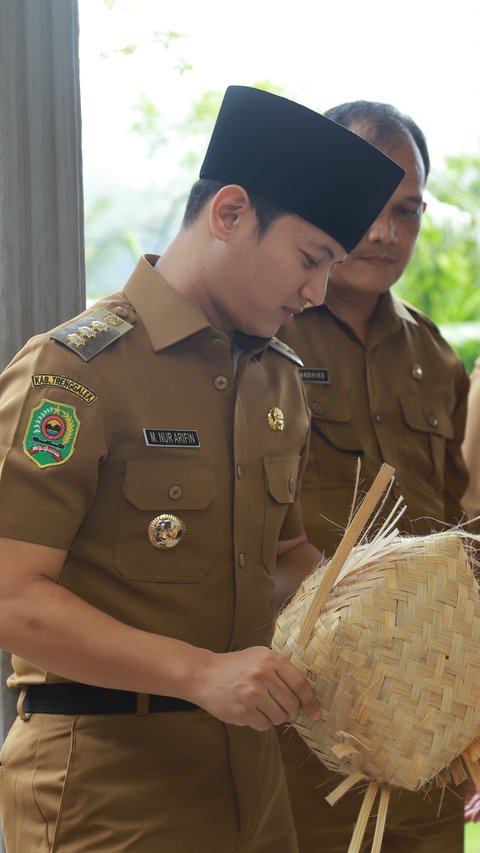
point(70, 698)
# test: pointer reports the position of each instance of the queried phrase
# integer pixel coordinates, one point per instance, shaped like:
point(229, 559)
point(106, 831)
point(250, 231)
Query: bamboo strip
point(388, 633)
point(473, 769)
point(341, 789)
point(362, 820)
point(348, 540)
point(381, 818)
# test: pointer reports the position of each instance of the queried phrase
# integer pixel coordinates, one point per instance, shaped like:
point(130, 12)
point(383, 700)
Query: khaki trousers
point(412, 824)
point(162, 783)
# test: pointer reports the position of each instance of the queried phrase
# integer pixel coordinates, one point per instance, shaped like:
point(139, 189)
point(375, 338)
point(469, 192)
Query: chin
point(267, 333)
point(258, 332)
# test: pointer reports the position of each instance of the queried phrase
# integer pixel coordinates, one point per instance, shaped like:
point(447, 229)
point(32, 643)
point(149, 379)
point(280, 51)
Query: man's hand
point(255, 687)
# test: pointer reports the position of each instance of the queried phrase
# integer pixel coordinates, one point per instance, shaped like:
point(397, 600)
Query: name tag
point(315, 374)
point(171, 437)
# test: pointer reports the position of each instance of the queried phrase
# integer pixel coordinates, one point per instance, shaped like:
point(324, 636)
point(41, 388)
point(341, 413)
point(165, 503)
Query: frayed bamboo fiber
point(388, 634)
point(352, 533)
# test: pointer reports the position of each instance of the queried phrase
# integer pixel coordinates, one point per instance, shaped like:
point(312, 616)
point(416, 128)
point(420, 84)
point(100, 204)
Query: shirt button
point(432, 420)
point(291, 485)
point(220, 383)
point(174, 492)
point(218, 342)
point(242, 560)
point(378, 418)
point(239, 472)
point(317, 408)
point(417, 372)
point(396, 483)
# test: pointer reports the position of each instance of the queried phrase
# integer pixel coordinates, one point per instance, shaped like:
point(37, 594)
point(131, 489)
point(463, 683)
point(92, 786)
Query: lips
point(292, 310)
point(377, 260)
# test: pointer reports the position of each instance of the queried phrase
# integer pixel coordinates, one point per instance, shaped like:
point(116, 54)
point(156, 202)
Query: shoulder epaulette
point(285, 350)
point(91, 333)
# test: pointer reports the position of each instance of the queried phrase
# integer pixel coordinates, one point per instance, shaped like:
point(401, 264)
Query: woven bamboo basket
point(388, 634)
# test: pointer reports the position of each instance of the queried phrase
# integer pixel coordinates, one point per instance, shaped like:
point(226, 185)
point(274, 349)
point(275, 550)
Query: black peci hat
point(302, 161)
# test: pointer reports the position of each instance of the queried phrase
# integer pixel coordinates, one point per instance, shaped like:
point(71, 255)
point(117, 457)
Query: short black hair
point(205, 189)
point(386, 123)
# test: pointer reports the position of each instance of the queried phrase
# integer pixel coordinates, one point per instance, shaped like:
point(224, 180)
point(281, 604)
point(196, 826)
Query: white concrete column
point(42, 278)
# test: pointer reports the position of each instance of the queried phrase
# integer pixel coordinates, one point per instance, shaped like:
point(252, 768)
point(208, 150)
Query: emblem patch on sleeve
point(51, 433)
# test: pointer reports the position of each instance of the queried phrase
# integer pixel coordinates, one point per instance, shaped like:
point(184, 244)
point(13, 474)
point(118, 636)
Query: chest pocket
point(329, 404)
point(427, 416)
point(281, 478)
point(432, 422)
point(149, 490)
point(334, 444)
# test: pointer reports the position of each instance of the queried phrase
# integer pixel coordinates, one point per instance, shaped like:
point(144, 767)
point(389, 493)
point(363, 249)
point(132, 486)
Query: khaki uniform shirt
point(157, 423)
point(471, 445)
point(400, 399)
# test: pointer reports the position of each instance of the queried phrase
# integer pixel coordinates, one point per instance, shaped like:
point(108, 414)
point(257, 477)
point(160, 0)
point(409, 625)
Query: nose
point(314, 289)
point(383, 230)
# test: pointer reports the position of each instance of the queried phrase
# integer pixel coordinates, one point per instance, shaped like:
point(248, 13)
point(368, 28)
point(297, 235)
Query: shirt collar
point(389, 309)
point(166, 315)
point(401, 310)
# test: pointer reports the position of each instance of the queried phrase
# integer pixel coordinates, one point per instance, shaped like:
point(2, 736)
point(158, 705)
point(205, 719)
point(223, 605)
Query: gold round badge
point(165, 531)
point(276, 420)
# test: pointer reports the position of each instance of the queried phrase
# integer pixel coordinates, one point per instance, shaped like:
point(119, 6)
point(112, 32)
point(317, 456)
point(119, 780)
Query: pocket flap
point(329, 404)
point(151, 485)
point(281, 473)
point(427, 416)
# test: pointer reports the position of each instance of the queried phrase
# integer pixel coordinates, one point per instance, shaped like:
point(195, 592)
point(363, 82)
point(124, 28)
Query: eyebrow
point(322, 247)
point(416, 198)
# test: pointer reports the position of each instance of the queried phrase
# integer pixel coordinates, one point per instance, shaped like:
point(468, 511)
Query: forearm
point(50, 626)
point(63, 634)
point(293, 566)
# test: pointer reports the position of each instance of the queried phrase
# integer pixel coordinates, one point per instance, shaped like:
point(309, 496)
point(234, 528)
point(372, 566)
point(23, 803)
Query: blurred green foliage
point(468, 350)
point(472, 837)
point(122, 221)
point(443, 276)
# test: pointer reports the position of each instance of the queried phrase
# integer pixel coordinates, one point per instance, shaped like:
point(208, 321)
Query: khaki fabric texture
point(142, 784)
point(237, 492)
point(235, 488)
point(400, 399)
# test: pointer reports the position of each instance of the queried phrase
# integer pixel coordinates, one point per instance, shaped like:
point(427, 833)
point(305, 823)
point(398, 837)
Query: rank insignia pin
point(276, 420)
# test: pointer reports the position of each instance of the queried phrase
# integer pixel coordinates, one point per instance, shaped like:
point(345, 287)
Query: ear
point(229, 209)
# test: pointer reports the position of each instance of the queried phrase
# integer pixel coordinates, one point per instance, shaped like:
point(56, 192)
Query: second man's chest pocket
point(335, 442)
point(432, 426)
point(165, 522)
